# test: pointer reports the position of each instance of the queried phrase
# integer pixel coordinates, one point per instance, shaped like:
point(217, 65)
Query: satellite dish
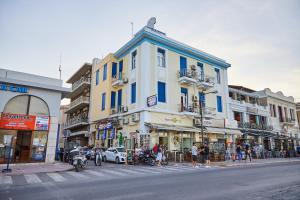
point(151, 22)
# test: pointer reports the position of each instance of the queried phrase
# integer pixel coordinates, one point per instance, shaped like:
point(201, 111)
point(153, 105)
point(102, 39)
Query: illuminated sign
point(13, 88)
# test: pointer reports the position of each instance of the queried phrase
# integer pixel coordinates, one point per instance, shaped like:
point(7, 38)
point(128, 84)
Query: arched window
point(27, 104)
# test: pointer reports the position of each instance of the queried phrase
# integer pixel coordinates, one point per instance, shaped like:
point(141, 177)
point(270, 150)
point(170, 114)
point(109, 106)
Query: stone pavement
point(230, 163)
point(30, 168)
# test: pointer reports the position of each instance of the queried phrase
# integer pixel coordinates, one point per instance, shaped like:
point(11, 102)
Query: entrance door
point(23, 146)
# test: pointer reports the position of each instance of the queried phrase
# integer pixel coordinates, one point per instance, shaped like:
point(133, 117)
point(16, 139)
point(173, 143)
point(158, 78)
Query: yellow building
point(151, 90)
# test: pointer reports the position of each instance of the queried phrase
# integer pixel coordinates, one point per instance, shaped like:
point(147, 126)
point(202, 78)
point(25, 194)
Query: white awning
point(223, 131)
point(173, 127)
point(85, 133)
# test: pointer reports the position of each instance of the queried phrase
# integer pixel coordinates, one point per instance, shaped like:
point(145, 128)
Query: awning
point(84, 133)
point(172, 127)
point(223, 131)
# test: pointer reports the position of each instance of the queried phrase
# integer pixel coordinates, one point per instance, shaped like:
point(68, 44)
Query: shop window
point(17, 105)
point(38, 107)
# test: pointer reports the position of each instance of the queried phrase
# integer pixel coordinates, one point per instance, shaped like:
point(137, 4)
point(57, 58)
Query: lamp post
point(8, 152)
point(201, 112)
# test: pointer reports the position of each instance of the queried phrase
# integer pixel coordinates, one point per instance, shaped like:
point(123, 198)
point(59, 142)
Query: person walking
point(155, 148)
point(159, 156)
point(194, 154)
point(206, 154)
point(238, 152)
point(247, 152)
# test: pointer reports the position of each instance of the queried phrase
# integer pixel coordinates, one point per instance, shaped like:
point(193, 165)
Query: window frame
point(218, 75)
point(133, 59)
point(162, 98)
point(103, 101)
point(219, 104)
point(104, 72)
point(133, 93)
point(97, 76)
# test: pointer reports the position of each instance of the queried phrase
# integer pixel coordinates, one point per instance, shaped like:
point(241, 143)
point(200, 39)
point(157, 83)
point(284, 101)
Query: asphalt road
point(272, 181)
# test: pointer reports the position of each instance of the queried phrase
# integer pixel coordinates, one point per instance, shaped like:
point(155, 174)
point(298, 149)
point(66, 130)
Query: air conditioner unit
point(124, 109)
point(125, 80)
point(193, 67)
point(113, 111)
point(197, 122)
point(135, 117)
point(126, 120)
point(195, 98)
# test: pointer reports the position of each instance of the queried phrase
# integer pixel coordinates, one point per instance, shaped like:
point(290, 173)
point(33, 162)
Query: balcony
point(78, 103)
point(76, 122)
point(119, 80)
point(288, 121)
point(193, 77)
point(248, 125)
point(194, 109)
point(79, 86)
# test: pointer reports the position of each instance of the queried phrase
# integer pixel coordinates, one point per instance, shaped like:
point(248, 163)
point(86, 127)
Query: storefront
point(29, 116)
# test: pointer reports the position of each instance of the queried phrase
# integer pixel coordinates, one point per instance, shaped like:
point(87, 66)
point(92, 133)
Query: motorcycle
point(79, 160)
point(147, 159)
point(98, 158)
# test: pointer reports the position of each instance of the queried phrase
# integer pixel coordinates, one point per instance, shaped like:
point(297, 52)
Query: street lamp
point(201, 111)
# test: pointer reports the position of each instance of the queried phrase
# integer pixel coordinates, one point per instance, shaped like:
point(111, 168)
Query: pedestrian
point(238, 152)
point(155, 148)
point(194, 154)
point(159, 156)
point(247, 152)
point(206, 154)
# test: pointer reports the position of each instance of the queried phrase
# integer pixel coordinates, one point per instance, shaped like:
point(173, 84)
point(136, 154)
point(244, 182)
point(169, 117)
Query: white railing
point(80, 81)
point(74, 121)
point(78, 101)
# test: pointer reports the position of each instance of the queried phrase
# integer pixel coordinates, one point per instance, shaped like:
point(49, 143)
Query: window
point(292, 113)
point(113, 99)
point(104, 72)
point(280, 113)
point(274, 110)
point(161, 88)
point(97, 77)
point(133, 60)
point(219, 104)
point(161, 57)
point(121, 66)
point(184, 97)
point(201, 71)
point(183, 65)
point(218, 77)
point(271, 110)
point(103, 101)
point(133, 92)
point(114, 70)
point(202, 99)
point(119, 99)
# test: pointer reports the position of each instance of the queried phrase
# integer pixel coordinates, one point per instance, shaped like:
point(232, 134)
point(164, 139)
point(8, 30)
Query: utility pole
point(131, 29)
point(59, 69)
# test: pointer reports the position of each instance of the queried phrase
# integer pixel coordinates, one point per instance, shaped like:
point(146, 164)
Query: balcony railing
point(194, 108)
point(192, 76)
point(288, 120)
point(78, 101)
point(80, 81)
point(119, 79)
point(248, 125)
point(76, 121)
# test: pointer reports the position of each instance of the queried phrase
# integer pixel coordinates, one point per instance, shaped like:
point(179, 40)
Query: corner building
point(150, 90)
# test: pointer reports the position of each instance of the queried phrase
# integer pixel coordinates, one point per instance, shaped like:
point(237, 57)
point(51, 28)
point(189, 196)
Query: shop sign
point(23, 122)
point(105, 126)
point(12, 88)
point(174, 120)
point(152, 100)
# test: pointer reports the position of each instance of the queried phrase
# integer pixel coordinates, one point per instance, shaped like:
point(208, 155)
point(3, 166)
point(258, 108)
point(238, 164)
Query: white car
point(115, 154)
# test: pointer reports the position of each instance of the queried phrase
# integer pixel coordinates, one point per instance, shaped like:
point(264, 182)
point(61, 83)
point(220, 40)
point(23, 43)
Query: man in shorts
point(194, 154)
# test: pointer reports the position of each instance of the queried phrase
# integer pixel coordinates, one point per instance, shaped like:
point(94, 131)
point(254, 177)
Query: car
point(115, 154)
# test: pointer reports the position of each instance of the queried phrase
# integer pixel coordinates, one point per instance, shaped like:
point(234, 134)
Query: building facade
point(150, 91)
point(62, 121)
point(29, 109)
point(251, 116)
point(283, 118)
point(77, 124)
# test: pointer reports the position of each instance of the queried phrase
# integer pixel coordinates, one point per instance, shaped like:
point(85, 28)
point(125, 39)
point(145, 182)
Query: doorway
point(23, 146)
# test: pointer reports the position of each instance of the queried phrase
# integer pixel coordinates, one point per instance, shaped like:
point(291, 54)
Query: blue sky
point(261, 39)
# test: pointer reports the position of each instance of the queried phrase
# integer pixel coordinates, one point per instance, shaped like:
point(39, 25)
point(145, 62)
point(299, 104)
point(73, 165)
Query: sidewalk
point(230, 163)
point(31, 168)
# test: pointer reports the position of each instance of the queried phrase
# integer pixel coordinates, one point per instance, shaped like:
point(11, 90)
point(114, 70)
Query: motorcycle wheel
point(77, 167)
point(151, 162)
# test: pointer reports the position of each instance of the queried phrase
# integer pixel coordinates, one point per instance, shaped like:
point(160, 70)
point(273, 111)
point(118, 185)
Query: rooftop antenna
point(59, 69)
point(131, 29)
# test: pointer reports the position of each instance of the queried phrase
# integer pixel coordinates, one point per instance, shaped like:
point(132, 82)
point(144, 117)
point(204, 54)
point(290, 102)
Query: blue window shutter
point(103, 101)
point(119, 98)
point(183, 64)
point(202, 98)
point(161, 88)
point(133, 92)
point(121, 66)
point(104, 72)
point(97, 77)
point(114, 70)
point(218, 75)
point(113, 99)
point(219, 104)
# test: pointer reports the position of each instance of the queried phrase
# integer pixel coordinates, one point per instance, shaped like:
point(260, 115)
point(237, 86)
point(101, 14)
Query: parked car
point(115, 154)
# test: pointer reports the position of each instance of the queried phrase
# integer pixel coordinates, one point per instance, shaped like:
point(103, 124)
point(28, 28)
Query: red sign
point(18, 121)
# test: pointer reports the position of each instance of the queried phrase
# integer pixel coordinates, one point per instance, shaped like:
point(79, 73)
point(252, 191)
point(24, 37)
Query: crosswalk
point(95, 174)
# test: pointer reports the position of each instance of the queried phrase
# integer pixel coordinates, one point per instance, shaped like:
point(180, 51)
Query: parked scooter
point(79, 160)
point(147, 158)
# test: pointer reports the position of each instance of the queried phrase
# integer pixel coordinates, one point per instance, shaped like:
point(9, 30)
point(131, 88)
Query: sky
point(260, 39)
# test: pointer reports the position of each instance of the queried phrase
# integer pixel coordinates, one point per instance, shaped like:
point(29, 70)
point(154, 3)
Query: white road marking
point(56, 177)
point(100, 174)
point(77, 174)
point(149, 170)
point(132, 171)
point(5, 180)
point(32, 178)
point(114, 172)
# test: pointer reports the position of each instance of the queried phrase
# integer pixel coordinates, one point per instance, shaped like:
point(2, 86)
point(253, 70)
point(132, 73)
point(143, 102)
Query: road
point(271, 181)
